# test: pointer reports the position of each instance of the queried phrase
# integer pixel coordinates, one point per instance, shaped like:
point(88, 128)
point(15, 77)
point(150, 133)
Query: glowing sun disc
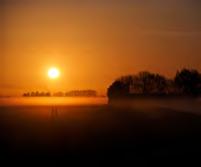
point(53, 73)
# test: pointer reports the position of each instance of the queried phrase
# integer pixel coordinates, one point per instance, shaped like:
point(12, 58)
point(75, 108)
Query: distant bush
point(85, 93)
point(186, 83)
point(59, 94)
point(73, 93)
point(37, 94)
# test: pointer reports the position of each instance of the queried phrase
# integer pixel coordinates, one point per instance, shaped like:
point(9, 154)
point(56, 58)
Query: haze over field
point(51, 101)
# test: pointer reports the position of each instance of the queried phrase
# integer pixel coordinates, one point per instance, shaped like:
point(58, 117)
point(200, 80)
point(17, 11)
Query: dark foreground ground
point(98, 136)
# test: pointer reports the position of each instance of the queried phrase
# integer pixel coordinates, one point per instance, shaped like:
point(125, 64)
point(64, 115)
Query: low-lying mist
point(52, 101)
point(179, 104)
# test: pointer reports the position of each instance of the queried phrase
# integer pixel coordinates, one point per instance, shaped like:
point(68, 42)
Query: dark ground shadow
point(99, 135)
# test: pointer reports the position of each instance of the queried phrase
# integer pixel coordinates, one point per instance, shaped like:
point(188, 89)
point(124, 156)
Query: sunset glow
point(94, 42)
point(100, 82)
point(53, 73)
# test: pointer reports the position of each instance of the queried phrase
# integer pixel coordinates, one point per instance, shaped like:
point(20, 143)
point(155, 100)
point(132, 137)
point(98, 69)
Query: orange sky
point(93, 41)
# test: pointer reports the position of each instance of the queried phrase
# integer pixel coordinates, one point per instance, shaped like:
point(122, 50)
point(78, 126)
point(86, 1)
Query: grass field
point(98, 133)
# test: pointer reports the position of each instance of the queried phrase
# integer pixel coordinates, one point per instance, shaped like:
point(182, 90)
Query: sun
point(53, 73)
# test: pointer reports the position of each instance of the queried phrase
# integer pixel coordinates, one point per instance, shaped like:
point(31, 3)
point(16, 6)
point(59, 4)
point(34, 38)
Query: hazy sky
point(94, 41)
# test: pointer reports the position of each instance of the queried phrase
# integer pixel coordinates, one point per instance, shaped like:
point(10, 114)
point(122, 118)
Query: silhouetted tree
point(47, 94)
point(32, 94)
point(58, 94)
point(84, 93)
point(118, 89)
point(161, 84)
point(127, 80)
point(26, 94)
point(36, 94)
point(188, 82)
point(150, 83)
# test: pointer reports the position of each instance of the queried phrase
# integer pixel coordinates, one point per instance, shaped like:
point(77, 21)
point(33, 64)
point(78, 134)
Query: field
point(96, 134)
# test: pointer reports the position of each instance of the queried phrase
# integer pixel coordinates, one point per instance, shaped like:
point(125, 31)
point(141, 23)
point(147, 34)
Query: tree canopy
point(185, 83)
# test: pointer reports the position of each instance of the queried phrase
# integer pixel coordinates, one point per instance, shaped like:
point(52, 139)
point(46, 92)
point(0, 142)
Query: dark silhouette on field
point(37, 94)
point(73, 93)
point(82, 93)
point(188, 82)
point(145, 84)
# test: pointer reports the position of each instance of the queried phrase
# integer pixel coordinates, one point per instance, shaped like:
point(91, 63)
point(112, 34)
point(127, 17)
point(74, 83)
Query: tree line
point(36, 94)
point(73, 93)
point(186, 82)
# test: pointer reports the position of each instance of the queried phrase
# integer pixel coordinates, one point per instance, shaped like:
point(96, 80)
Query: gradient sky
point(94, 41)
